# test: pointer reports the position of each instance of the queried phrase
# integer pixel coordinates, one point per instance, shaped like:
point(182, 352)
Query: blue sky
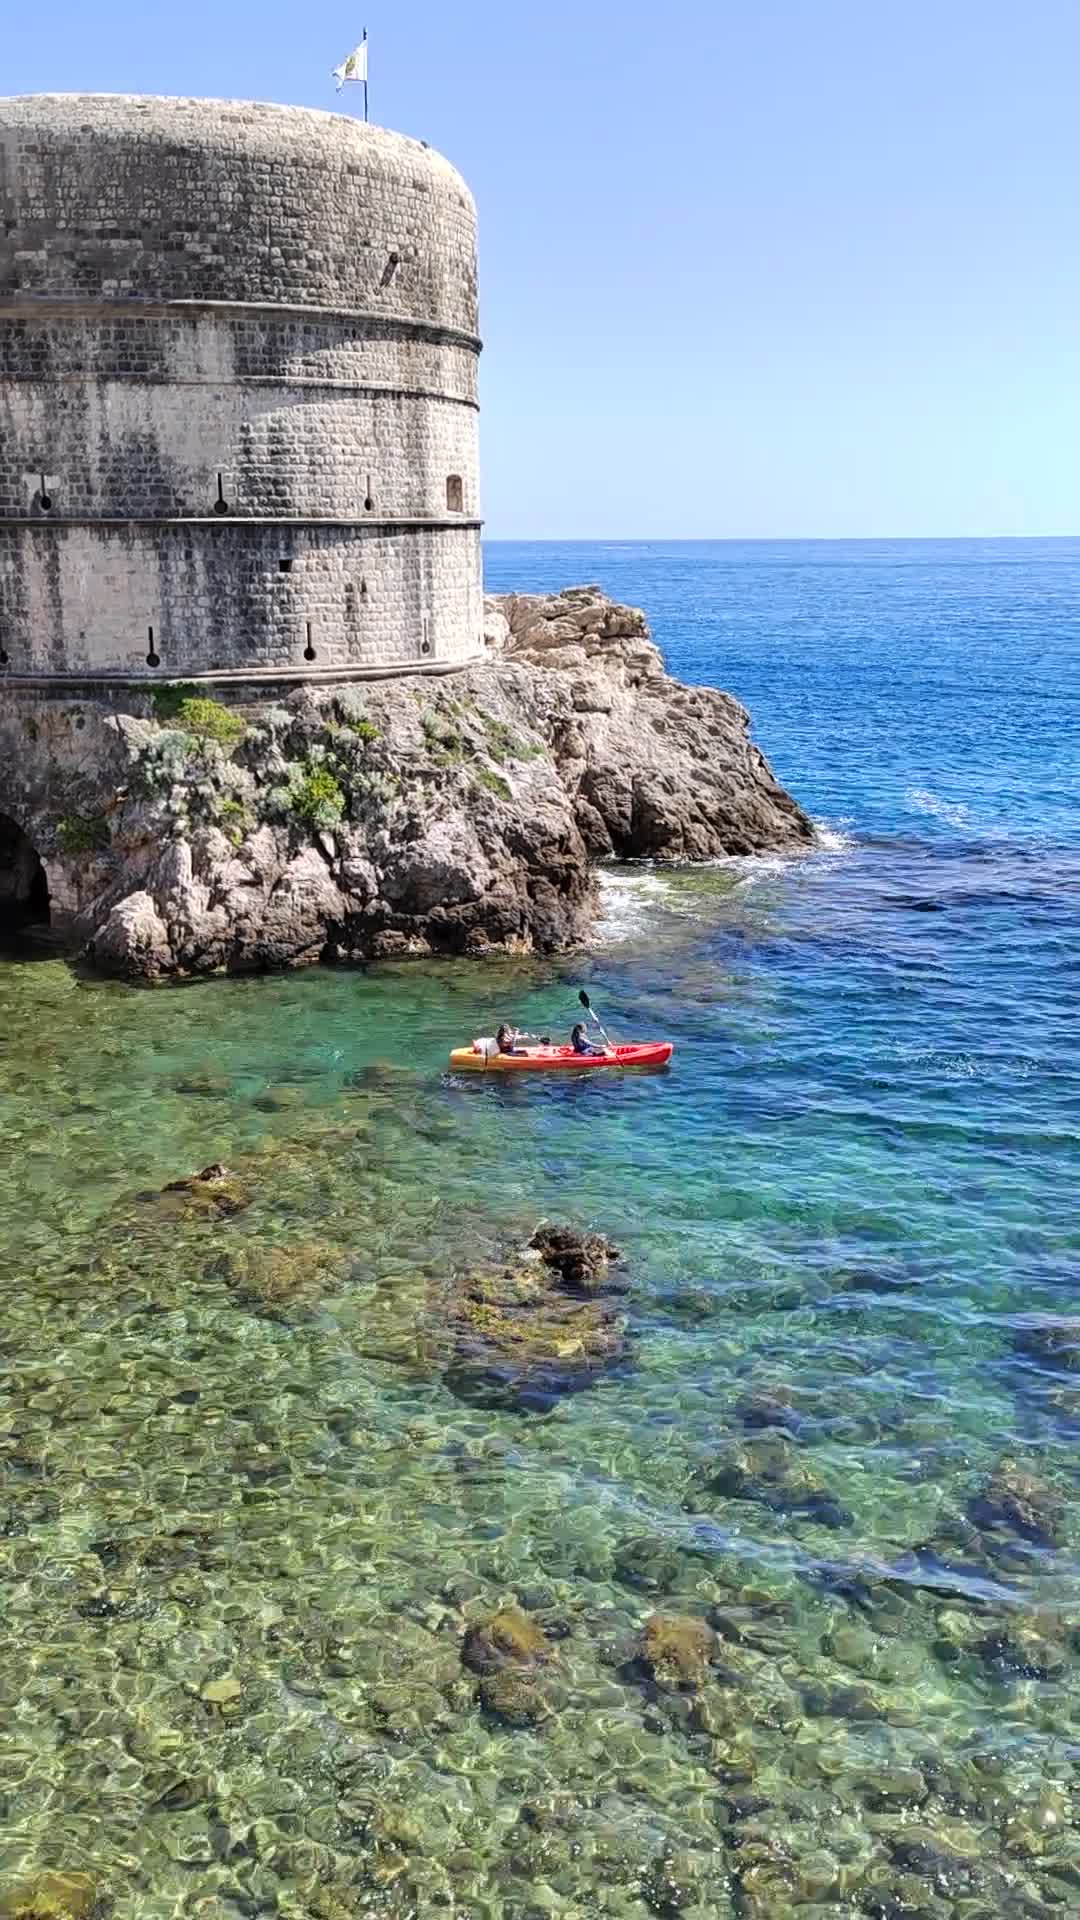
point(754, 268)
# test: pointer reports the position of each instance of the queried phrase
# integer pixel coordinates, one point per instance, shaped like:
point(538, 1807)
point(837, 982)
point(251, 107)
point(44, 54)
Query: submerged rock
point(676, 1650)
point(213, 1191)
point(1019, 1500)
point(1053, 1343)
point(54, 1896)
point(519, 1699)
point(680, 1881)
point(505, 1639)
point(207, 1082)
point(888, 1787)
point(1020, 1651)
point(652, 1565)
point(770, 1469)
point(581, 1260)
point(524, 1334)
point(762, 1408)
point(270, 1278)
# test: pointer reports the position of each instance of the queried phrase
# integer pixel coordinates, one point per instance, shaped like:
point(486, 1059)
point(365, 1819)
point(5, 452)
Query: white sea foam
point(954, 813)
point(832, 838)
point(751, 868)
point(628, 904)
point(632, 902)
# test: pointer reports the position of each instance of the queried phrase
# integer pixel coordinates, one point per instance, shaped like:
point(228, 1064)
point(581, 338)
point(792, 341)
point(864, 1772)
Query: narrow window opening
point(221, 505)
point(392, 265)
point(309, 651)
point(45, 497)
point(425, 632)
point(5, 657)
point(153, 659)
point(284, 566)
point(455, 493)
point(364, 588)
point(369, 501)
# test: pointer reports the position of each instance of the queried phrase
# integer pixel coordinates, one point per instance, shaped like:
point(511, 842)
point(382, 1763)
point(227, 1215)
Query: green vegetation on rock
point(310, 793)
point(234, 819)
point(318, 797)
point(167, 701)
point(448, 747)
point(82, 833)
point(352, 714)
point(494, 783)
point(208, 720)
point(504, 744)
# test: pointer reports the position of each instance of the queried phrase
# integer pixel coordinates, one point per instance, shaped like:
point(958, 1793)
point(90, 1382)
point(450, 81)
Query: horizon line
point(763, 539)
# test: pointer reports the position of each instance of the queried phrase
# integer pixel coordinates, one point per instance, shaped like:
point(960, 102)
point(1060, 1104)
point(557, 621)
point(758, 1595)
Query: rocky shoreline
point(181, 836)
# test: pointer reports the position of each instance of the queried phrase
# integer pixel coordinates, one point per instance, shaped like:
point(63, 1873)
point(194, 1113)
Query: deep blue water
point(922, 700)
point(245, 1534)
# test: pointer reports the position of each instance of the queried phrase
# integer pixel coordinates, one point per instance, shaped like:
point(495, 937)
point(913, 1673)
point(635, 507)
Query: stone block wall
point(237, 392)
point(257, 598)
point(121, 195)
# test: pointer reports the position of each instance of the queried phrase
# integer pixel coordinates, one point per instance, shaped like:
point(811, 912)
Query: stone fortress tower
point(238, 396)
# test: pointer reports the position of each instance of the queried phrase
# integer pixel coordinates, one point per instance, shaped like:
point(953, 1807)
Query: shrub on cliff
point(311, 794)
point(503, 743)
point(208, 721)
point(319, 798)
point(82, 833)
point(234, 819)
point(350, 710)
point(495, 783)
point(167, 701)
point(163, 762)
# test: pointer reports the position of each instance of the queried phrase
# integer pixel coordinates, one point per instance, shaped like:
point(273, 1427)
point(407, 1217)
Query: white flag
point(354, 68)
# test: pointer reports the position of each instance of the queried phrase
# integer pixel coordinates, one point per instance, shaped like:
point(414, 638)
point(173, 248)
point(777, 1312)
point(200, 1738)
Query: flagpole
point(365, 80)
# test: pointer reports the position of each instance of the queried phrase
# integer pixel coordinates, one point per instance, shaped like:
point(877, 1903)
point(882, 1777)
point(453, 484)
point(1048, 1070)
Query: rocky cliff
point(411, 816)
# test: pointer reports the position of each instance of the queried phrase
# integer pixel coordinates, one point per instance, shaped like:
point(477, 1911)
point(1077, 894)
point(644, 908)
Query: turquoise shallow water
point(251, 1502)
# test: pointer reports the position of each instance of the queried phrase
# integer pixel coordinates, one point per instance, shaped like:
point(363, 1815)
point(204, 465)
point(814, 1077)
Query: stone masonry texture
point(238, 407)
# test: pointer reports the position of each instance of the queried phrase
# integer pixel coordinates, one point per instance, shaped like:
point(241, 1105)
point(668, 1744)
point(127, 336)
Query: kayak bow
point(476, 1059)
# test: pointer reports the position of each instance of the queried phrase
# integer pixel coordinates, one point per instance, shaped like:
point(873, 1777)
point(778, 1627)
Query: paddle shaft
point(596, 1017)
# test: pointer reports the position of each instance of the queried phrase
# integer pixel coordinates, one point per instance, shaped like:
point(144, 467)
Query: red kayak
point(547, 1059)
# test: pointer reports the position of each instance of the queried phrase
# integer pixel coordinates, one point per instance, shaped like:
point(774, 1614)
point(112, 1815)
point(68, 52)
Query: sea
point(795, 1534)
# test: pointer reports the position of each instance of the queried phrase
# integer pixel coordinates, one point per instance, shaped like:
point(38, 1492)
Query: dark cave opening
point(24, 888)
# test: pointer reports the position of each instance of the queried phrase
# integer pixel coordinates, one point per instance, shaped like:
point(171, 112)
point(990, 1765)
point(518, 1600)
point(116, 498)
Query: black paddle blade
point(585, 1001)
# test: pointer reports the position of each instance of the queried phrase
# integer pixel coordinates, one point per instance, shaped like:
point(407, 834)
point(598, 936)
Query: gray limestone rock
point(409, 816)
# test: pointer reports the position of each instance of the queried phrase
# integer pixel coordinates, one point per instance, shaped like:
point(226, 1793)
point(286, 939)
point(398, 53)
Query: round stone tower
point(238, 414)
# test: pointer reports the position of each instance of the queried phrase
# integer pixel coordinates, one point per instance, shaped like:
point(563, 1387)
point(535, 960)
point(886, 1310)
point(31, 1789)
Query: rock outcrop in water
point(414, 816)
point(540, 1326)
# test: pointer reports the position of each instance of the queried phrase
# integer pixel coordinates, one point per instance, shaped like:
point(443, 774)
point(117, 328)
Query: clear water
point(243, 1533)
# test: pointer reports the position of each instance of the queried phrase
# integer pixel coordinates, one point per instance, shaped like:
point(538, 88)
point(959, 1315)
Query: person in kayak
point(507, 1040)
point(581, 1043)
